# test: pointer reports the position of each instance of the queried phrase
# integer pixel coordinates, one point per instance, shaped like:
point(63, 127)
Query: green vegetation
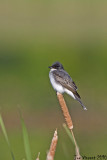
point(33, 35)
point(6, 137)
point(26, 140)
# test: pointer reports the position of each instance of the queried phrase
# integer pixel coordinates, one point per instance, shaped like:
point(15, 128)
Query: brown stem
point(65, 111)
point(68, 121)
point(38, 156)
point(51, 153)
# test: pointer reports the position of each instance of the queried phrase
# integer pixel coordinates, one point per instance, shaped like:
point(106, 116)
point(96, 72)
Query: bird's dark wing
point(74, 85)
point(65, 80)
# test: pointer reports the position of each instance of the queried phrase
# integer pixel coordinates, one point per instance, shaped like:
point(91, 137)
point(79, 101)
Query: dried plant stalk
point(65, 111)
point(51, 153)
point(68, 121)
point(38, 156)
point(78, 156)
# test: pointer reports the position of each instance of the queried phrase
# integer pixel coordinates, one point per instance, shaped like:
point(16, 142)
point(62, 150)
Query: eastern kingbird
point(62, 82)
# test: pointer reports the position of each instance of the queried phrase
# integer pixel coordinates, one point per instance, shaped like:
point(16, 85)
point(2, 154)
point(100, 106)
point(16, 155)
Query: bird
point(63, 83)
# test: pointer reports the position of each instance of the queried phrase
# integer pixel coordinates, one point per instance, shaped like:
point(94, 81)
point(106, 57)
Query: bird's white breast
point(58, 87)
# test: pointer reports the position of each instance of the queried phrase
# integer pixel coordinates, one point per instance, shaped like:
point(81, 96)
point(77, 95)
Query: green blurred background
point(33, 35)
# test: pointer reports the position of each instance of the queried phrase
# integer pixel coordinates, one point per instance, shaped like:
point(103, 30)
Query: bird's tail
point(79, 100)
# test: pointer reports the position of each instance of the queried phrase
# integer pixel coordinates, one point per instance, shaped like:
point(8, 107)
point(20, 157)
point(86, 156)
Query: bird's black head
point(56, 65)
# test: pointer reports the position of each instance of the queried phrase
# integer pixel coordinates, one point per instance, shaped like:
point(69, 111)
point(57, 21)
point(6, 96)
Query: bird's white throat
point(52, 69)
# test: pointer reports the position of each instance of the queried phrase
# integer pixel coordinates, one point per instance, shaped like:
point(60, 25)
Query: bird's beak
point(50, 67)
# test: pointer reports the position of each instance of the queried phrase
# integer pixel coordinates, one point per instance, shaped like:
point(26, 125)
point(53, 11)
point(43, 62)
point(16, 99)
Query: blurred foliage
point(33, 35)
point(36, 34)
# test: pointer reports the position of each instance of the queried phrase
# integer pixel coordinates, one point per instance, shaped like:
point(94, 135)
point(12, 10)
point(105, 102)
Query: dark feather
point(62, 77)
point(74, 85)
point(79, 100)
